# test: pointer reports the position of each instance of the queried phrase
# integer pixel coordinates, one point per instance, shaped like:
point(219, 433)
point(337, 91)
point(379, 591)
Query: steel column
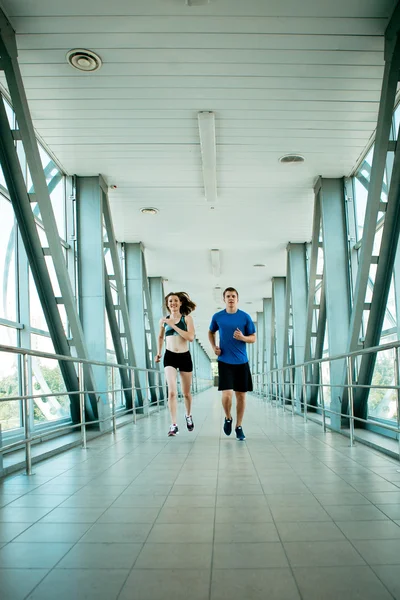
point(135, 299)
point(91, 280)
point(336, 283)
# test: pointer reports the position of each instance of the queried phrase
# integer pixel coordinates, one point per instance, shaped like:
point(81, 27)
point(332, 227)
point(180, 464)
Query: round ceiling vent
point(291, 158)
point(84, 60)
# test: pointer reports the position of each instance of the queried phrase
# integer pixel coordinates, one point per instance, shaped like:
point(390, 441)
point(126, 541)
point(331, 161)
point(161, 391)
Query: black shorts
point(234, 377)
point(178, 360)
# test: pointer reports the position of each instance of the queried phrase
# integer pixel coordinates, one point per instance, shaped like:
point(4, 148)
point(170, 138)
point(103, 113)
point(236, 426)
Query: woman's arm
point(187, 335)
point(160, 342)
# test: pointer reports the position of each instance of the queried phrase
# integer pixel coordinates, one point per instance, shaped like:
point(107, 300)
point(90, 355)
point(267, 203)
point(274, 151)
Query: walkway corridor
point(288, 514)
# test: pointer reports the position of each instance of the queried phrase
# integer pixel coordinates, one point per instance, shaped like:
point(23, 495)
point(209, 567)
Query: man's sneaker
point(173, 430)
point(240, 434)
point(189, 423)
point(228, 426)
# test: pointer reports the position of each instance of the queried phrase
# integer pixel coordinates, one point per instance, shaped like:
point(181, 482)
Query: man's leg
point(240, 407)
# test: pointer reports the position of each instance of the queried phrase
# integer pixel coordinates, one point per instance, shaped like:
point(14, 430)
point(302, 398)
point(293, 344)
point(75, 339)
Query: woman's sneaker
point(173, 430)
point(189, 423)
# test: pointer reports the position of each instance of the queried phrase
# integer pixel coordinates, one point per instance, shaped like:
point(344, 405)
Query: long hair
point(187, 305)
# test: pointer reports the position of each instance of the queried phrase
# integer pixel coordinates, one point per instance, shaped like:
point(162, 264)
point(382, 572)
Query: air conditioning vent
point(84, 60)
point(291, 158)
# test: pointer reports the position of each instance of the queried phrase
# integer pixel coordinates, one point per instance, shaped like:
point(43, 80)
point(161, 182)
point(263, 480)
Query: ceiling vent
point(291, 158)
point(84, 60)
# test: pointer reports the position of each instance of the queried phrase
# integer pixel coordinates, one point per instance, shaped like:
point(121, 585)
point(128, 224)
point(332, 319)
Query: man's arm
point(248, 339)
point(211, 338)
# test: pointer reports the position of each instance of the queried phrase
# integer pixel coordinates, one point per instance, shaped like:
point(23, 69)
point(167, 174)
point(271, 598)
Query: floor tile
point(307, 531)
point(299, 513)
point(160, 584)
point(181, 533)
point(389, 575)
point(248, 514)
point(101, 556)
point(355, 513)
point(251, 584)
point(186, 514)
point(54, 532)
point(332, 583)
point(379, 552)
point(117, 532)
point(32, 555)
point(249, 556)
point(322, 554)
point(15, 584)
point(131, 515)
point(80, 584)
point(245, 532)
point(72, 515)
point(9, 531)
point(369, 530)
point(175, 556)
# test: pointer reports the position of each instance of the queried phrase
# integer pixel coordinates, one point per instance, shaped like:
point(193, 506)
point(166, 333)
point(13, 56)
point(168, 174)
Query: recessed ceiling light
point(84, 60)
point(149, 211)
point(258, 265)
point(291, 159)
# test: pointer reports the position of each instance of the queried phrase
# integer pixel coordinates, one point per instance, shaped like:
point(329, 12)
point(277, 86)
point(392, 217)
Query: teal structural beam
point(278, 322)
point(267, 317)
point(134, 275)
point(89, 212)
point(297, 289)
point(336, 282)
point(156, 287)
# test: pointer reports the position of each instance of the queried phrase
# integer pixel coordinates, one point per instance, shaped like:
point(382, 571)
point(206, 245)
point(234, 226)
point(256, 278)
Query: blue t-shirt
point(233, 351)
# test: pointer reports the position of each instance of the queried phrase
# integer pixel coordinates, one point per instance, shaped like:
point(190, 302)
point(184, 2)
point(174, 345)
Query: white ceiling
point(281, 76)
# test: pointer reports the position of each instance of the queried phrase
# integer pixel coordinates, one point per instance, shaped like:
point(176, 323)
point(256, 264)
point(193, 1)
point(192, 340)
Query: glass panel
point(47, 378)
point(36, 312)
point(10, 412)
point(8, 303)
point(382, 403)
point(57, 197)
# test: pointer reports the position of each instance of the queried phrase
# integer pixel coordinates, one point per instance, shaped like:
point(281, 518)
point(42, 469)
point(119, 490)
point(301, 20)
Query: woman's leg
point(170, 376)
point(186, 379)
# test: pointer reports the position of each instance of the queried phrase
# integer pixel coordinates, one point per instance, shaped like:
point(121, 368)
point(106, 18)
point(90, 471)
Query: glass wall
point(381, 403)
point(22, 321)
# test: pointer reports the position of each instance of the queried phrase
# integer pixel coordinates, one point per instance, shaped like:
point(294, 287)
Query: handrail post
point(82, 404)
point(133, 395)
point(304, 386)
point(321, 391)
point(291, 386)
point(114, 421)
point(349, 365)
point(27, 414)
point(283, 389)
point(396, 380)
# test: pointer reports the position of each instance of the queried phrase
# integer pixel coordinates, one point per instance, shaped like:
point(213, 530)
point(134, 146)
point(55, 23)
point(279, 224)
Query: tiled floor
point(290, 513)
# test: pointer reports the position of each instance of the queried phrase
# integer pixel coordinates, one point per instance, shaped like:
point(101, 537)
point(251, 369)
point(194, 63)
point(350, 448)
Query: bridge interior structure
point(157, 146)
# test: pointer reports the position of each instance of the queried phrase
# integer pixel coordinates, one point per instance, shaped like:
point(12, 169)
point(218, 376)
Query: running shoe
point(173, 430)
point(189, 423)
point(228, 426)
point(240, 434)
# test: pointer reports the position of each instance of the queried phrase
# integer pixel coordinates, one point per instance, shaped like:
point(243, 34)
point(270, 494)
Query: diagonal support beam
point(123, 306)
point(386, 106)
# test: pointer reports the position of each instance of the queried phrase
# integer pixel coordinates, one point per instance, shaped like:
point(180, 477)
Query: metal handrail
point(26, 398)
point(276, 388)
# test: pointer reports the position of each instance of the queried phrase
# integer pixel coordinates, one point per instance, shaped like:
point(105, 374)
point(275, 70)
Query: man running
point(236, 329)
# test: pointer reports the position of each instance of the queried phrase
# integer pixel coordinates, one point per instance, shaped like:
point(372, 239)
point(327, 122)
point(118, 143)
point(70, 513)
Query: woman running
point(178, 328)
